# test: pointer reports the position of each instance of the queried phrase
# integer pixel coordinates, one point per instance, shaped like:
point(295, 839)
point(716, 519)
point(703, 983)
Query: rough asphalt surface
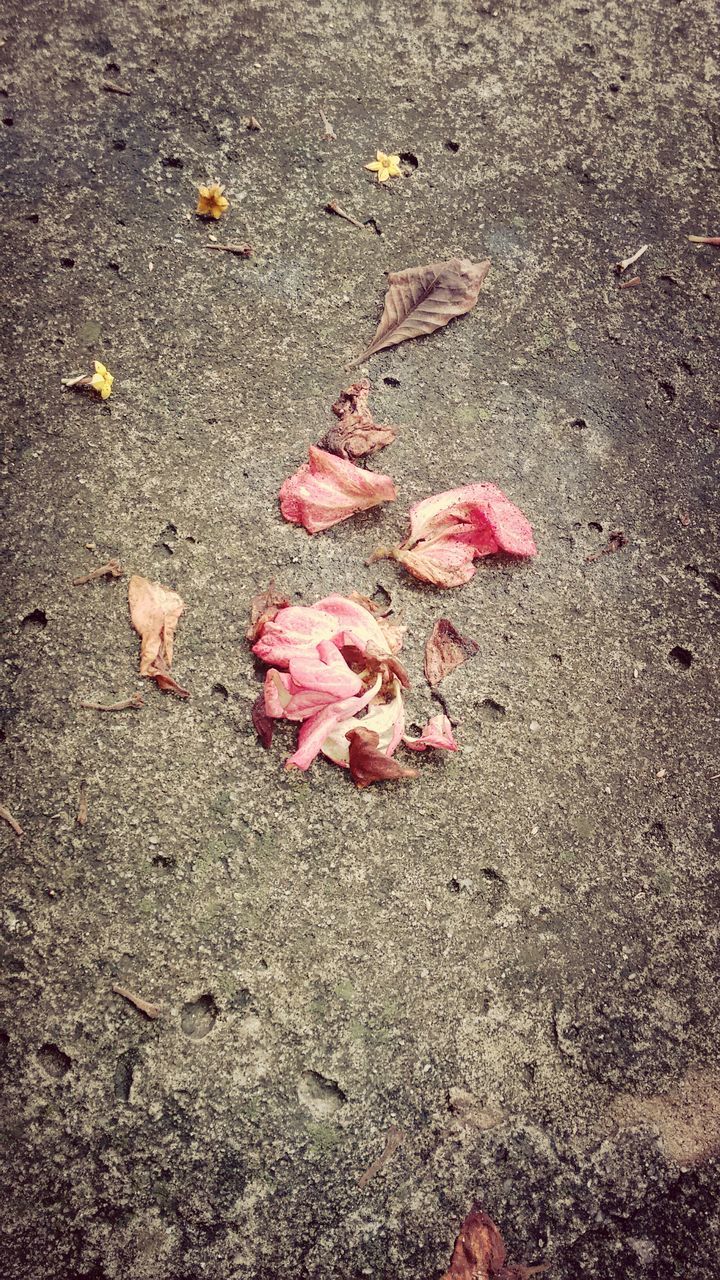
point(513, 959)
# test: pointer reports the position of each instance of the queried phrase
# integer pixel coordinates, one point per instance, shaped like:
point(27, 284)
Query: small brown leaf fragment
point(446, 650)
point(128, 704)
point(150, 1010)
point(355, 435)
point(480, 1253)
point(113, 569)
point(6, 816)
point(253, 125)
point(263, 607)
point(616, 541)
point(629, 262)
point(264, 724)
point(394, 1140)
point(367, 764)
point(155, 612)
point(82, 813)
point(111, 87)
point(704, 239)
point(420, 300)
point(242, 250)
point(630, 284)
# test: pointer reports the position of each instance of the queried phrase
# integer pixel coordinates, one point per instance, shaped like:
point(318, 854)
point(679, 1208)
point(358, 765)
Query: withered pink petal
point(491, 516)
point(436, 733)
point(286, 700)
point(297, 629)
point(351, 616)
point(327, 489)
point(368, 764)
point(316, 729)
point(444, 563)
point(325, 670)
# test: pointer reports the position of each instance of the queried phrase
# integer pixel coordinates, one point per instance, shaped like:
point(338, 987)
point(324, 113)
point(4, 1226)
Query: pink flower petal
point(325, 670)
point(387, 719)
point(436, 733)
point(327, 489)
point(316, 729)
point(491, 517)
point(297, 629)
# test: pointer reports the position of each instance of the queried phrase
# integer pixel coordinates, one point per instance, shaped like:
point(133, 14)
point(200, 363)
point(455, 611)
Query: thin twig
point(6, 816)
point(128, 704)
point(113, 569)
point(333, 207)
point(330, 134)
point(629, 284)
point(82, 813)
point(628, 262)
point(110, 87)
point(244, 250)
point(704, 239)
point(150, 1010)
point(395, 1139)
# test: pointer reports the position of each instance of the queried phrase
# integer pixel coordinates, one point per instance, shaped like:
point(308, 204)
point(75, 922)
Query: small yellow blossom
point(385, 166)
point(212, 202)
point(102, 380)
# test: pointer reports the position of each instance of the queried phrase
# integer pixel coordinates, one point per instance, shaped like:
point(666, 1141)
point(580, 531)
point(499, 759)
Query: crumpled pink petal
point(286, 700)
point(387, 719)
point(327, 489)
point(301, 628)
point(436, 733)
point(316, 729)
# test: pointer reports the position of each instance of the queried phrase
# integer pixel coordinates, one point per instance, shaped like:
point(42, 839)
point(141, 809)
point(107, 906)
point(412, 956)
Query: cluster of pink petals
point(450, 530)
point(327, 489)
point(332, 668)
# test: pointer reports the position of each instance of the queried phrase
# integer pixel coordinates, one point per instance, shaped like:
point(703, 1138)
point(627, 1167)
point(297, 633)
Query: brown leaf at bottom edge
point(263, 608)
point(355, 435)
point(480, 1253)
point(367, 764)
point(262, 721)
point(446, 650)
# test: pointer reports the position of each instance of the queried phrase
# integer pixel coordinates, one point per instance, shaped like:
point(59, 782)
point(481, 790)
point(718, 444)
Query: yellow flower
point(212, 202)
point(102, 380)
point(385, 166)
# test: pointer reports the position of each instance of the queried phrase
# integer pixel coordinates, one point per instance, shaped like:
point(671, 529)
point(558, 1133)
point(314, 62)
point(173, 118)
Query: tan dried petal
point(420, 300)
point(446, 650)
point(367, 764)
point(355, 435)
point(263, 607)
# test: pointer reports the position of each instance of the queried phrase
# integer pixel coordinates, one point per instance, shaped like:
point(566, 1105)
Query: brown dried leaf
point(82, 813)
point(263, 608)
point(264, 724)
point(355, 435)
point(479, 1253)
point(243, 250)
point(446, 650)
point(155, 612)
point(423, 299)
point(394, 1140)
point(367, 764)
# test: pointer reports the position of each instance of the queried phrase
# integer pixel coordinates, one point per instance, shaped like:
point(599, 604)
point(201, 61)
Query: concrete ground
point(512, 959)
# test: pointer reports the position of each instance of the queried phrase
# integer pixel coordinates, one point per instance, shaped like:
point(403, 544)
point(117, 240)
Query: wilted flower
point(385, 166)
point(327, 489)
point(450, 530)
point(212, 203)
point(101, 380)
point(436, 733)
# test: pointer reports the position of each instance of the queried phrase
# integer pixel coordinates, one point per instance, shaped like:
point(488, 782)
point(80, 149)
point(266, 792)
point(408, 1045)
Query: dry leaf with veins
point(368, 764)
point(355, 435)
point(423, 299)
point(155, 612)
point(480, 1253)
point(446, 650)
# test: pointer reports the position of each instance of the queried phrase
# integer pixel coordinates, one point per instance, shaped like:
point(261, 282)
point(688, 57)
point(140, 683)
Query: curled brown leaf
point(446, 650)
point(367, 764)
point(480, 1253)
point(420, 300)
point(355, 435)
point(263, 723)
point(263, 607)
point(155, 612)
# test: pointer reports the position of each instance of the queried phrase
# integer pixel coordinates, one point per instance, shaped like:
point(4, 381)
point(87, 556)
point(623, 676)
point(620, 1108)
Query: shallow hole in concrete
point(68, 263)
point(38, 618)
point(119, 144)
point(452, 146)
point(410, 160)
point(53, 1061)
point(124, 1073)
point(580, 423)
point(595, 526)
point(220, 691)
point(391, 382)
point(680, 657)
point(199, 1016)
point(322, 1097)
point(173, 162)
point(491, 710)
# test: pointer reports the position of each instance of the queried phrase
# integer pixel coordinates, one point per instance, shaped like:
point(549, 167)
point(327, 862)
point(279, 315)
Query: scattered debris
point(355, 435)
point(329, 134)
point(385, 166)
point(450, 530)
point(369, 764)
point(471, 1113)
point(253, 125)
point(6, 816)
point(629, 262)
point(328, 489)
point(684, 519)
point(480, 1253)
point(101, 380)
point(333, 207)
point(261, 720)
point(128, 704)
point(82, 813)
point(242, 250)
point(393, 1142)
point(150, 1010)
point(422, 299)
point(616, 541)
point(212, 201)
point(704, 239)
point(113, 569)
point(629, 284)
point(446, 650)
point(111, 87)
point(155, 612)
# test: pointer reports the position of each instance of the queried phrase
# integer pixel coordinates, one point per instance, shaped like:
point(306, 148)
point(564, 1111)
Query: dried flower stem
point(330, 134)
point(244, 250)
point(704, 239)
point(128, 704)
point(111, 87)
point(629, 284)
point(6, 816)
point(628, 262)
point(82, 813)
point(113, 569)
point(150, 1010)
point(395, 1139)
point(333, 207)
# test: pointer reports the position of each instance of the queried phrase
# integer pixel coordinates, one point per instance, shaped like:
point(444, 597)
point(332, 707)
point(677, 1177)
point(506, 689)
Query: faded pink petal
point(297, 629)
point(387, 719)
point(326, 671)
point(363, 625)
point(436, 733)
point(316, 729)
point(327, 489)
